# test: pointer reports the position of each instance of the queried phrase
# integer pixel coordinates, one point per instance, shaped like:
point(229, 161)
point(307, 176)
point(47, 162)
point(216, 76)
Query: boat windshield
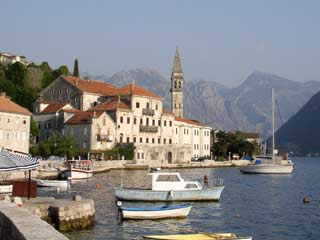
point(168, 178)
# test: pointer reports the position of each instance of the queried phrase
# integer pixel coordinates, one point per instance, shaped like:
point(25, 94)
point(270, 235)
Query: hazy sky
point(221, 40)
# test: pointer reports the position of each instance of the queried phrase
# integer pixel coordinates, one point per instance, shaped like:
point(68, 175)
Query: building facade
point(7, 58)
point(14, 125)
point(132, 114)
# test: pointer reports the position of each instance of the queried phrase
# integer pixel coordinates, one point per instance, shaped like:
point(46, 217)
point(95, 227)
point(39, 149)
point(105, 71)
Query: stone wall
point(18, 224)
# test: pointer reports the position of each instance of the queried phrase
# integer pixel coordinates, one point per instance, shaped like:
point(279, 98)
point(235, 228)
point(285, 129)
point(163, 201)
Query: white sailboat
point(270, 164)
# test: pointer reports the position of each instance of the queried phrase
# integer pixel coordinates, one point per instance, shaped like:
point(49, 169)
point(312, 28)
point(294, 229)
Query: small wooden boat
point(177, 211)
point(52, 183)
point(80, 169)
point(170, 187)
point(199, 236)
point(6, 189)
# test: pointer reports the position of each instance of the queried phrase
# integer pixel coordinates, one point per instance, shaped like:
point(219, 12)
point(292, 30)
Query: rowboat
point(6, 189)
point(177, 211)
point(170, 187)
point(52, 183)
point(199, 236)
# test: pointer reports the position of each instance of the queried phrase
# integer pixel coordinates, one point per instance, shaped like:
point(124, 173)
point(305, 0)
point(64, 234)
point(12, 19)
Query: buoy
point(306, 199)
point(98, 186)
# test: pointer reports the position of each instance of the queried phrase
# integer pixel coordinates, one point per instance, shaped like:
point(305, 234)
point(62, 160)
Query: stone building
point(8, 58)
point(132, 114)
point(14, 125)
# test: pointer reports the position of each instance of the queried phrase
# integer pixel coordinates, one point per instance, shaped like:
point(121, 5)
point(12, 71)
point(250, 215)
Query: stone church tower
point(177, 87)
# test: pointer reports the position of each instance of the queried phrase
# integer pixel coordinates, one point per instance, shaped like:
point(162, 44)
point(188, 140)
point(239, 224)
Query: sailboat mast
point(272, 125)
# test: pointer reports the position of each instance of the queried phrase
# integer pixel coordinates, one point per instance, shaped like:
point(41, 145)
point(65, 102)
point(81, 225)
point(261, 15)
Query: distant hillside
point(300, 134)
point(246, 107)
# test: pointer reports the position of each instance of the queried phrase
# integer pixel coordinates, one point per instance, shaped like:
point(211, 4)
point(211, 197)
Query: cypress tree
point(76, 69)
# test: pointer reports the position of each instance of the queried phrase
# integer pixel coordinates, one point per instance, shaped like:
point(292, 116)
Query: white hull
point(268, 169)
point(52, 183)
point(162, 214)
point(78, 174)
point(5, 189)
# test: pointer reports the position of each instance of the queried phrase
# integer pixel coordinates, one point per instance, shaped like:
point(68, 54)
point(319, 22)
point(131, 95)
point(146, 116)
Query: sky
point(219, 40)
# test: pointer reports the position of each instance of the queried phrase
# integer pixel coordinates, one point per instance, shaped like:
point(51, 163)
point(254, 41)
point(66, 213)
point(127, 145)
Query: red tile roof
point(189, 121)
point(111, 104)
point(6, 105)
point(92, 86)
point(132, 89)
point(83, 117)
point(54, 107)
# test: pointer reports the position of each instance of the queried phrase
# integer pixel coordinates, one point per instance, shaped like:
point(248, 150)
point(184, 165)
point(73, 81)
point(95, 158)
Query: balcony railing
point(104, 138)
point(148, 129)
point(148, 112)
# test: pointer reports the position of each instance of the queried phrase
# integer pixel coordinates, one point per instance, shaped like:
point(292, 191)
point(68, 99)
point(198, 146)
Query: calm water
point(264, 206)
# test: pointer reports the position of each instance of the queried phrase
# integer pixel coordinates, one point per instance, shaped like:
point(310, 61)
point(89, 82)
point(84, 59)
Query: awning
point(10, 161)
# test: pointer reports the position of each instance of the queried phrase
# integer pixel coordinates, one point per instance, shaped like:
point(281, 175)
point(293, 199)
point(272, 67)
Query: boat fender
point(171, 193)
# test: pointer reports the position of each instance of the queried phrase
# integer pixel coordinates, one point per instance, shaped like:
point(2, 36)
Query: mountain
point(246, 107)
point(301, 133)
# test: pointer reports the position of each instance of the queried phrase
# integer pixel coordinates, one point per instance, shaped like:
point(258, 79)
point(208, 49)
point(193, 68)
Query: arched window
point(148, 105)
point(147, 122)
point(179, 84)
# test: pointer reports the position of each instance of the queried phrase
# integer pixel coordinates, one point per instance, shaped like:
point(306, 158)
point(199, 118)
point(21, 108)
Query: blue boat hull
point(207, 194)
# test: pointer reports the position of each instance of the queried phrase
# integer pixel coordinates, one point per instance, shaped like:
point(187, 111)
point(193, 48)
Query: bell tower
point(177, 82)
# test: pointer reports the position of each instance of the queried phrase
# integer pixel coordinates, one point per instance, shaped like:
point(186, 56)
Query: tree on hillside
point(76, 68)
point(17, 73)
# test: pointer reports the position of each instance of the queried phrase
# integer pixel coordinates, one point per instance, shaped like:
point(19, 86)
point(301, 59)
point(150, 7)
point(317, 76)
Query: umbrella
point(13, 161)
point(10, 161)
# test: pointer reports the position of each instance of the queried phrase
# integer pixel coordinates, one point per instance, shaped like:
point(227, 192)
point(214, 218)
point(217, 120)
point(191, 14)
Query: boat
point(199, 236)
point(162, 212)
point(78, 169)
point(6, 189)
point(52, 183)
point(167, 186)
point(270, 164)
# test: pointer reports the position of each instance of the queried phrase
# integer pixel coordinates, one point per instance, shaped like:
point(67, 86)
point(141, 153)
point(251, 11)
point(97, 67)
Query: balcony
point(148, 129)
point(104, 138)
point(148, 111)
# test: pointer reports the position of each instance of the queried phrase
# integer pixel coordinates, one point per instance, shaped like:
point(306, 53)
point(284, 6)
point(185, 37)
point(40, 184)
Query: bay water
point(268, 207)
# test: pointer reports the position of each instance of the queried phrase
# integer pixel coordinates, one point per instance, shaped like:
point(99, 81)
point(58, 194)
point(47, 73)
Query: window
point(159, 123)
point(175, 84)
point(170, 141)
point(128, 139)
point(147, 122)
point(168, 178)
point(179, 84)
point(142, 155)
point(152, 140)
point(175, 105)
point(135, 121)
point(148, 106)
point(121, 139)
point(60, 91)
point(165, 123)
point(153, 122)
point(52, 91)
point(137, 105)
point(85, 131)
point(157, 107)
point(8, 120)
point(134, 139)
point(184, 131)
point(170, 123)
point(147, 140)
point(141, 121)
point(164, 141)
point(104, 122)
point(121, 119)
point(141, 140)
point(159, 140)
point(138, 155)
point(24, 122)
point(176, 130)
point(94, 103)
point(179, 105)
point(128, 120)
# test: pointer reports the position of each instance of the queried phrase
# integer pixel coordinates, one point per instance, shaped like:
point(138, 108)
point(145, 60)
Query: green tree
point(76, 68)
point(17, 73)
point(34, 130)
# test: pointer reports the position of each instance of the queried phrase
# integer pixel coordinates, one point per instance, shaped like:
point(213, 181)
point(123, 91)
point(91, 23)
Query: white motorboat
point(63, 184)
point(270, 164)
point(199, 236)
point(80, 169)
point(163, 212)
point(167, 186)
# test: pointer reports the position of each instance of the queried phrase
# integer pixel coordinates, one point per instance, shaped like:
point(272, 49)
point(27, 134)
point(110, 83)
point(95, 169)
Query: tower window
point(175, 84)
point(137, 105)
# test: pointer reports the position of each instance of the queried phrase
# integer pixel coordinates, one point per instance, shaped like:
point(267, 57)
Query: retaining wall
point(18, 224)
